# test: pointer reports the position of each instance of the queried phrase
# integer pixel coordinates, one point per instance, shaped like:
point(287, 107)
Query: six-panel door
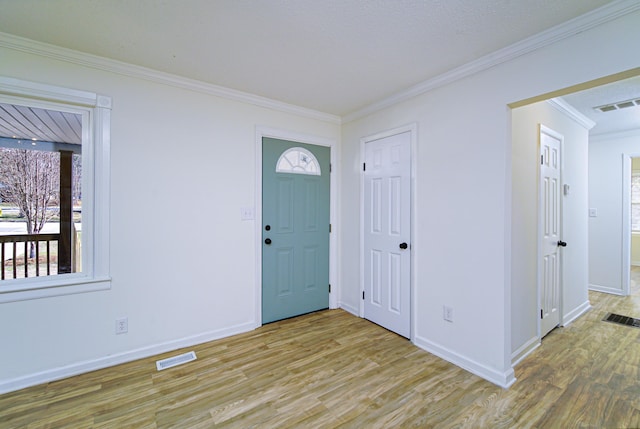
point(551, 223)
point(387, 233)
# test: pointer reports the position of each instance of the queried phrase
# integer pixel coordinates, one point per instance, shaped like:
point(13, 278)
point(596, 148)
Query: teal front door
point(295, 229)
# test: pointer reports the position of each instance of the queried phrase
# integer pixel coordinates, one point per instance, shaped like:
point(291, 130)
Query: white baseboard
point(504, 380)
point(54, 374)
point(350, 309)
point(606, 289)
point(525, 350)
point(576, 312)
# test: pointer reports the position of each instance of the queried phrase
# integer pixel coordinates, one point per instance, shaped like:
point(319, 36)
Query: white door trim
point(413, 130)
point(546, 130)
point(626, 220)
point(261, 132)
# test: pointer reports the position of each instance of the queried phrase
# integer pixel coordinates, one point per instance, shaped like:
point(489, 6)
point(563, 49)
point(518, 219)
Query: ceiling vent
point(619, 105)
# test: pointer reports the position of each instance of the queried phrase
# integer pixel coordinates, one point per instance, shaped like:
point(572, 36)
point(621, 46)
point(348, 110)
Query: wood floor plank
point(333, 370)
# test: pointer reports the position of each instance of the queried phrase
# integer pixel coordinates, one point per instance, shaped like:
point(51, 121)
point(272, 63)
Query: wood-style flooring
point(331, 369)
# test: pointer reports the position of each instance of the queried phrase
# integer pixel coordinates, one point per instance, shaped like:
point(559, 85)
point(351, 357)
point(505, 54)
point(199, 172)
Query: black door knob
point(562, 243)
point(267, 241)
point(403, 245)
point(267, 227)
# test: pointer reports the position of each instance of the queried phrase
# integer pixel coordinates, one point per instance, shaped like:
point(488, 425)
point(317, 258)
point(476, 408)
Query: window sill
point(54, 287)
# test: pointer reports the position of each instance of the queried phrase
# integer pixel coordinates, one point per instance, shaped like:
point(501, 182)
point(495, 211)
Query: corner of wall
point(502, 379)
point(525, 350)
point(575, 313)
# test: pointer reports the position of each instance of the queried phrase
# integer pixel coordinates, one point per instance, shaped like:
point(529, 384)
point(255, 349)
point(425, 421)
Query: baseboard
point(606, 289)
point(504, 380)
point(350, 309)
point(525, 350)
point(576, 312)
point(119, 358)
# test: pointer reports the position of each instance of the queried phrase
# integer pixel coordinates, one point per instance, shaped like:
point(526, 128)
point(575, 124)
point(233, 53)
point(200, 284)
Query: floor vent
point(622, 320)
point(176, 360)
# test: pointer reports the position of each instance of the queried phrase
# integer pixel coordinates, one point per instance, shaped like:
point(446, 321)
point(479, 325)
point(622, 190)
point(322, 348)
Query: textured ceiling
point(614, 121)
point(335, 56)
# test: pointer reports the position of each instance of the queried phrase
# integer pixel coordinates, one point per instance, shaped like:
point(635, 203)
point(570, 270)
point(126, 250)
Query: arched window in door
point(298, 160)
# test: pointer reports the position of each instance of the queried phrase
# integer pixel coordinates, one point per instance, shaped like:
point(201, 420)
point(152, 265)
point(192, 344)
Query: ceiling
point(34, 124)
point(334, 56)
point(620, 119)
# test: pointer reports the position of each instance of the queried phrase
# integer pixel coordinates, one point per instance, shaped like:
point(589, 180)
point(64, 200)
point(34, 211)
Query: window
point(635, 201)
point(298, 161)
point(54, 181)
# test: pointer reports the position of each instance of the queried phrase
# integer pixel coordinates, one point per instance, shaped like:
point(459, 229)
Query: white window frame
point(634, 173)
point(95, 110)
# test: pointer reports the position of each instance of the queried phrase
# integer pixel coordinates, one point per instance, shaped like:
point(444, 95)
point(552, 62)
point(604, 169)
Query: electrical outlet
point(122, 325)
point(447, 313)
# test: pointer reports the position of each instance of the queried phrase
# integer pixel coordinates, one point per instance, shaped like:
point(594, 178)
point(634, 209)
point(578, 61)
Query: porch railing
point(11, 244)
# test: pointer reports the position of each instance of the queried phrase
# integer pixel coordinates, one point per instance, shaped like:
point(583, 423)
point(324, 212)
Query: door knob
point(403, 245)
point(267, 227)
point(267, 241)
point(562, 243)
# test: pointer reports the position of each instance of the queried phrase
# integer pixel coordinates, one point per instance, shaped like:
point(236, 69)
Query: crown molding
point(577, 25)
point(561, 105)
point(565, 30)
point(21, 44)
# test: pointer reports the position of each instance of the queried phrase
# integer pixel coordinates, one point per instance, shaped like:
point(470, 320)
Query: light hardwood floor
point(331, 369)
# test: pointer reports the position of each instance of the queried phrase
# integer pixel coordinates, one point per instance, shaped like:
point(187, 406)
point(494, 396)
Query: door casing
point(413, 131)
point(302, 138)
point(627, 170)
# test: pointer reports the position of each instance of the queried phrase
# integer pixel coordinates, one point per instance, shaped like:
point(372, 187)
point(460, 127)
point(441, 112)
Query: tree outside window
point(54, 183)
point(40, 183)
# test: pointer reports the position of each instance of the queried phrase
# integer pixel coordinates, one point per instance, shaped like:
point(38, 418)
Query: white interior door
point(387, 231)
point(550, 262)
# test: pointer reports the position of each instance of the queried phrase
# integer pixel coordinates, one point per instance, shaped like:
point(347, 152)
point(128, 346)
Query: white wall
point(170, 142)
point(182, 262)
point(525, 307)
point(635, 249)
point(462, 245)
point(606, 251)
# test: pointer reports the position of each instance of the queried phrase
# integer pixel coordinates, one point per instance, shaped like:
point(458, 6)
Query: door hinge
point(541, 159)
point(330, 168)
point(364, 166)
point(541, 313)
point(329, 228)
point(362, 294)
point(329, 288)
